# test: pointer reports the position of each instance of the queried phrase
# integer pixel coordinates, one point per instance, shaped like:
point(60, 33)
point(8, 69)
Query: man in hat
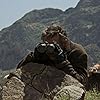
point(76, 64)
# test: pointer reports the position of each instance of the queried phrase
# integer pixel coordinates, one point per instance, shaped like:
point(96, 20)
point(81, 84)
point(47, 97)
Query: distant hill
point(81, 24)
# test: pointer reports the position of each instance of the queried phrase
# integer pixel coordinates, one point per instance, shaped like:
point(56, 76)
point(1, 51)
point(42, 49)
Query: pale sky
point(12, 10)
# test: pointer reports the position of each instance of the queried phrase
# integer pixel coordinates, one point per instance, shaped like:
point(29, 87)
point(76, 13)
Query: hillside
point(81, 24)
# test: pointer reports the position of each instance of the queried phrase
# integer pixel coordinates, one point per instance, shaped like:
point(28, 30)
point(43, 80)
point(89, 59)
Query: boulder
point(40, 82)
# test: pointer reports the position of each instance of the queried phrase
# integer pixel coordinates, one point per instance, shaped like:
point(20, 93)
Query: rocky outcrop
point(39, 82)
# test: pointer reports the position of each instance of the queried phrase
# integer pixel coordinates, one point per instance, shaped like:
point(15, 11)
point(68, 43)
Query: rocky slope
point(81, 24)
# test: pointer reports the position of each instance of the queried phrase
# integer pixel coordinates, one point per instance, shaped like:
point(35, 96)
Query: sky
point(12, 10)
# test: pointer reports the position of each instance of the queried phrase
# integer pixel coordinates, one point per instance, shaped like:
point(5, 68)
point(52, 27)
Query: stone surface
point(40, 82)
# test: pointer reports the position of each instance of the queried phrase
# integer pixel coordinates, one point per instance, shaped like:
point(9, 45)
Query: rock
point(40, 82)
point(70, 93)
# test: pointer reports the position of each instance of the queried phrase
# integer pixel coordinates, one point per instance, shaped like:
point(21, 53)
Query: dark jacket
point(77, 55)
